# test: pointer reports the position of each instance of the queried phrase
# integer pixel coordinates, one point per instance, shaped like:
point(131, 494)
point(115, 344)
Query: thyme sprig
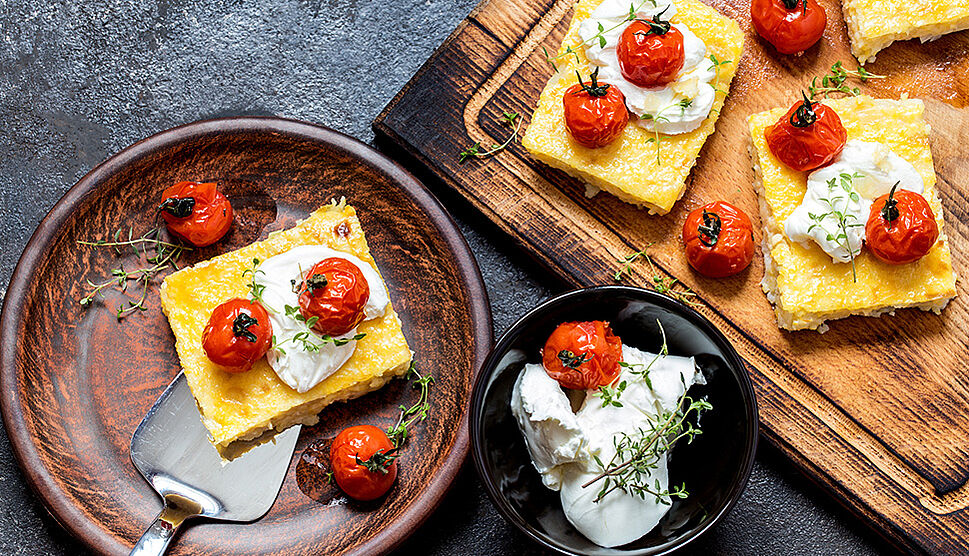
point(600, 36)
point(638, 454)
point(840, 192)
point(660, 283)
point(716, 65)
point(834, 82)
point(415, 413)
point(158, 254)
point(611, 393)
point(306, 338)
point(509, 119)
point(660, 117)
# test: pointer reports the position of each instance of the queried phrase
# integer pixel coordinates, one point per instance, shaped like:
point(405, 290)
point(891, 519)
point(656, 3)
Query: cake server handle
point(155, 540)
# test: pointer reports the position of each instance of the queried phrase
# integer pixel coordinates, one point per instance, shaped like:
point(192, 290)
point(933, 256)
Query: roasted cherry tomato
point(364, 462)
point(719, 240)
point(650, 53)
point(237, 335)
point(334, 292)
point(792, 26)
point(901, 227)
point(196, 212)
point(582, 355)
point(595, 113)
point(809, 136)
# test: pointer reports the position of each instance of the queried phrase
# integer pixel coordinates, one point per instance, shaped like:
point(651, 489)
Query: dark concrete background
point(81, 80)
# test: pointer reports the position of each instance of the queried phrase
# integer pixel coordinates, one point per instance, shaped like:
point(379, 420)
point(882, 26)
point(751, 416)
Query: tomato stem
point(890, 210)
point(656, 25)
point(805, 114)
point(710, 229)
point(595, 90)
point(241, 325)
point(179, 207)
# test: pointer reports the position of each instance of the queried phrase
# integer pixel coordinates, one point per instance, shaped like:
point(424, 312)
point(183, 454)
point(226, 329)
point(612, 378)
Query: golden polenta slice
point(806, 287)
point(245, 409)
point(875, 24)
point(629, 167)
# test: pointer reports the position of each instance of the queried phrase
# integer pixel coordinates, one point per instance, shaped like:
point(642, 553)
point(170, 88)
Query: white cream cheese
point(870, 169)
point(300, 368)
point(546, 420)
point(618, 518)
point(678, 107)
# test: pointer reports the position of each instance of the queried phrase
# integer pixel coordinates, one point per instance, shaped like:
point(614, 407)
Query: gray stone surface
point(81, 80)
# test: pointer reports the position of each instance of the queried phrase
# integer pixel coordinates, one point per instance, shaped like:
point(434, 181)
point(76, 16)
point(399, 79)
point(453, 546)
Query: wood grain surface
point(875, 410)
point(76, 382)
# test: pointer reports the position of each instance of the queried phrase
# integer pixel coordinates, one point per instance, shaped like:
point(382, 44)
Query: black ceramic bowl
point(715, 467)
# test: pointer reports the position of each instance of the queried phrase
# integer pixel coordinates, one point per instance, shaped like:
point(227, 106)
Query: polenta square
point(805, 285)
point(874, 24)
point(641, 166)
point(245, 409)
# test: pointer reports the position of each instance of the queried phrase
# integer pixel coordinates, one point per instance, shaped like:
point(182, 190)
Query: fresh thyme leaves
point(834, 82)
point(600, 37)
point(571, 360)
point(241, 325)
point(638, 454)
point(306, 339)
point(256, 289)
point(659, 117)
point(509, 119)
point(660, 283)
point(380, 461)
point(716, 65)
point(417, 412)
point(611, 393)
point(159, 255)
point(840, 193)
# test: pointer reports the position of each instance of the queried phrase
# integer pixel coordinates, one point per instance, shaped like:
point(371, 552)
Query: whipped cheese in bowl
point(566, 448)
point(849, 185)
point(301, 357)
point(679, 107)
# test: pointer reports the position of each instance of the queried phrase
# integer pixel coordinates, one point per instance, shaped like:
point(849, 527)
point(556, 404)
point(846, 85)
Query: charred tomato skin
point(732, 248)
point(790, 30)
point(196, 212)
point(582, 355)
point(362, 442)
point(650, 59)
point(908, 236)
point(805, 148)
point(595, 121)
point(237, 335)
point(334, 292)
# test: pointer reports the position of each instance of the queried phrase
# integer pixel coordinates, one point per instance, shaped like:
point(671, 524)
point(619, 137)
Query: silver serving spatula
point(172, 452)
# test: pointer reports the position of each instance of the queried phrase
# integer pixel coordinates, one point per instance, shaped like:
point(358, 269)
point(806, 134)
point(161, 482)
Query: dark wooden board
point(875, 410)
point(76, 382)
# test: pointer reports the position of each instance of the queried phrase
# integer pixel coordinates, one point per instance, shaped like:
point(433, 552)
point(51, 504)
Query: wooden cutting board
point(875, 410)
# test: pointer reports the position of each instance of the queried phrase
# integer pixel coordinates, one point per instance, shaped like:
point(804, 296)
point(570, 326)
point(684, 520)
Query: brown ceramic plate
point(76, 382)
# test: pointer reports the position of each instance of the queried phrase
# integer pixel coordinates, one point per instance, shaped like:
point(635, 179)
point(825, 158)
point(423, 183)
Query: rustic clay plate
point(76, 382)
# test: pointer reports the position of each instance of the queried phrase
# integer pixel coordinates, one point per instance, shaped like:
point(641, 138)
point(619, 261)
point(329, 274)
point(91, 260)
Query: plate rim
point(41, 480)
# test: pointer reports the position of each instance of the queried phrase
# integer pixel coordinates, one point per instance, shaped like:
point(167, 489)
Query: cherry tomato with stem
point(901, 227)
point(810, 135)
point(792, 26)
point(196, 212)
point(595, 113)
point(237, 335)
point(650, 52)
point(719, 240)
point(333, 295)
point(364, 462)
point(582, 355)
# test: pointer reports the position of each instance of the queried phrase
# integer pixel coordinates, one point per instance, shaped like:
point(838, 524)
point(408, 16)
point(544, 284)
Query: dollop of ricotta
point(297, 366)
point(618, 518)
point(862, 172)
point(679, 107)
point(545, 418)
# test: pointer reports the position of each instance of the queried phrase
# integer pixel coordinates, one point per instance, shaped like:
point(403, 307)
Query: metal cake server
point(172, 452)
